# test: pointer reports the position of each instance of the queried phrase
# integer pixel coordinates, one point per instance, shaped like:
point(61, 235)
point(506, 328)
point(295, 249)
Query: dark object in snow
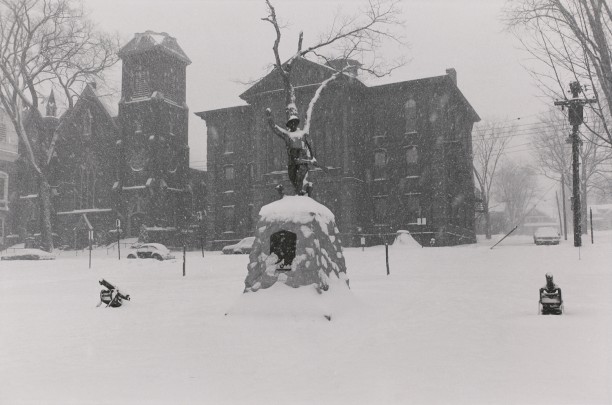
point(551, 300)
point(282, 244)
point(280, 189)
point(299, 152)
point(112, 297)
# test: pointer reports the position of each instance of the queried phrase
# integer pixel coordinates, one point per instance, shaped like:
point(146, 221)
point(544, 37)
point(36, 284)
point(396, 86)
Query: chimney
point(350, 67)
point(452, 73)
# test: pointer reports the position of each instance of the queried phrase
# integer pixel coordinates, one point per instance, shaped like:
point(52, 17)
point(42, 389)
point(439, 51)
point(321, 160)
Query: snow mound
point(28, 254)
point(403, 239)
point(297, 243)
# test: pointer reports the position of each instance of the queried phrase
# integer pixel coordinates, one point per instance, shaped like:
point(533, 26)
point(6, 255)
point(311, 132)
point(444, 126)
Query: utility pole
point(575, 107)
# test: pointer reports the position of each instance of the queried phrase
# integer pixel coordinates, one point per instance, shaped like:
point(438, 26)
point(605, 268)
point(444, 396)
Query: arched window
point(251, 172)
point(87, 119)
point(411, 160)
point(410, 114)
point(380, 164)
point(87, 186)
point(141, 82)
point(228, 177)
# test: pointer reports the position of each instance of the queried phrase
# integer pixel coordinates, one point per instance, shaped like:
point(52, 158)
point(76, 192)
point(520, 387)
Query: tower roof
point(148, 40)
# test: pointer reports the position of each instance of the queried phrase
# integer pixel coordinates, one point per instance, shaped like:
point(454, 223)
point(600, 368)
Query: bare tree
point(573, 40)
point(515, 186)
point(553, 156)
point(490, 140)
point(355, 37)
point(45, 43)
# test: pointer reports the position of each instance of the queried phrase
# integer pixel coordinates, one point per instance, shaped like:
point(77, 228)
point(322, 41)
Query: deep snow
point(454, 325)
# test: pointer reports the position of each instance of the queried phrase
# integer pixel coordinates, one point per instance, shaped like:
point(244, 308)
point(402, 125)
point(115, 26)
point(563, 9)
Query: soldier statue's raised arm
point(299, 152)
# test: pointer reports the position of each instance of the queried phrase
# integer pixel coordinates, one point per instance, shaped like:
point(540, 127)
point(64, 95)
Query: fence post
point(387, 256)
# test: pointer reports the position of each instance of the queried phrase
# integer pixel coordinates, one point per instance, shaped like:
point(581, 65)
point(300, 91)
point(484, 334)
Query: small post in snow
point(201, 238)
point(387, 256)
point(184, 257)
point(118, 224)
point(90, 239)
point(362, 243)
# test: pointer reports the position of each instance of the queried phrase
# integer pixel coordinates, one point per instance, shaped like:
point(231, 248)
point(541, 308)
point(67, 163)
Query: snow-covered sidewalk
point(449, 326)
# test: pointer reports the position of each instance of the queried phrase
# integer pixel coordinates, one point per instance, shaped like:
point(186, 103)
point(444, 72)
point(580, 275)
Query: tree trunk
point(487, 217)
point(45, 208)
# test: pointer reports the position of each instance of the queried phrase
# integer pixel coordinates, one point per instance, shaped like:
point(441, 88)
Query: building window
point(412, 209)
point(228, 177)
point(3, 134)
point(141, 82)
point(229, 173)
point(229, 218)
point(380, 165)
point(251, 172)
point(87, 119)
point(380, 210)
point(412, 157)
point(87, 186)
point(229, 143)
point(3, 189)
point(410, 114)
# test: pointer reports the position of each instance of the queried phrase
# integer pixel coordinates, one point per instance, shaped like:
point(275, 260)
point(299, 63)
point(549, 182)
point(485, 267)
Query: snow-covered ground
point(455, 325)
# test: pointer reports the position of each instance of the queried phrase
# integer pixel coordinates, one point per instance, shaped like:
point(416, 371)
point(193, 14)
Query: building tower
point(152, 151)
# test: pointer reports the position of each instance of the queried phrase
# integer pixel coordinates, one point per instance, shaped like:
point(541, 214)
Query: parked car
point(242, 247)
point(150, 251)
point(546, 236)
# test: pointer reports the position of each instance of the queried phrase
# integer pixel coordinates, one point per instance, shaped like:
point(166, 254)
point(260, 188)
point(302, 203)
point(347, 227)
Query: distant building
point(399, 156)
point(602, 217)
point(536, 219)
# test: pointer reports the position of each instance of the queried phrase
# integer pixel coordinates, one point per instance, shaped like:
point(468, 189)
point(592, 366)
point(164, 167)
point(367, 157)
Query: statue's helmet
point(549, 277)
point(293, 118)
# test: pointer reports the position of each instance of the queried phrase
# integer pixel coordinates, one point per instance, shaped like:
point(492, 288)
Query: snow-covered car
point(546, 236)
point(150, 251)
point(242, 247)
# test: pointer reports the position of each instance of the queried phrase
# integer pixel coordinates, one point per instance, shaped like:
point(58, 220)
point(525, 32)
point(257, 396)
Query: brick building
point(128, 161)
point(399, 156)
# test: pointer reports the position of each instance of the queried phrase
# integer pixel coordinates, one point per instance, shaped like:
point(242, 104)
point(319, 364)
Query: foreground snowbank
point(449, 326)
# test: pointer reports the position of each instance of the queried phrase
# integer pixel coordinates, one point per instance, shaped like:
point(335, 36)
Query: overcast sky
point(228, 43)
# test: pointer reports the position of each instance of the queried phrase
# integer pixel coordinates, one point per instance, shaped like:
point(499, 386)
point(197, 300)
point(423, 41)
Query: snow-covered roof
point(145, 41)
